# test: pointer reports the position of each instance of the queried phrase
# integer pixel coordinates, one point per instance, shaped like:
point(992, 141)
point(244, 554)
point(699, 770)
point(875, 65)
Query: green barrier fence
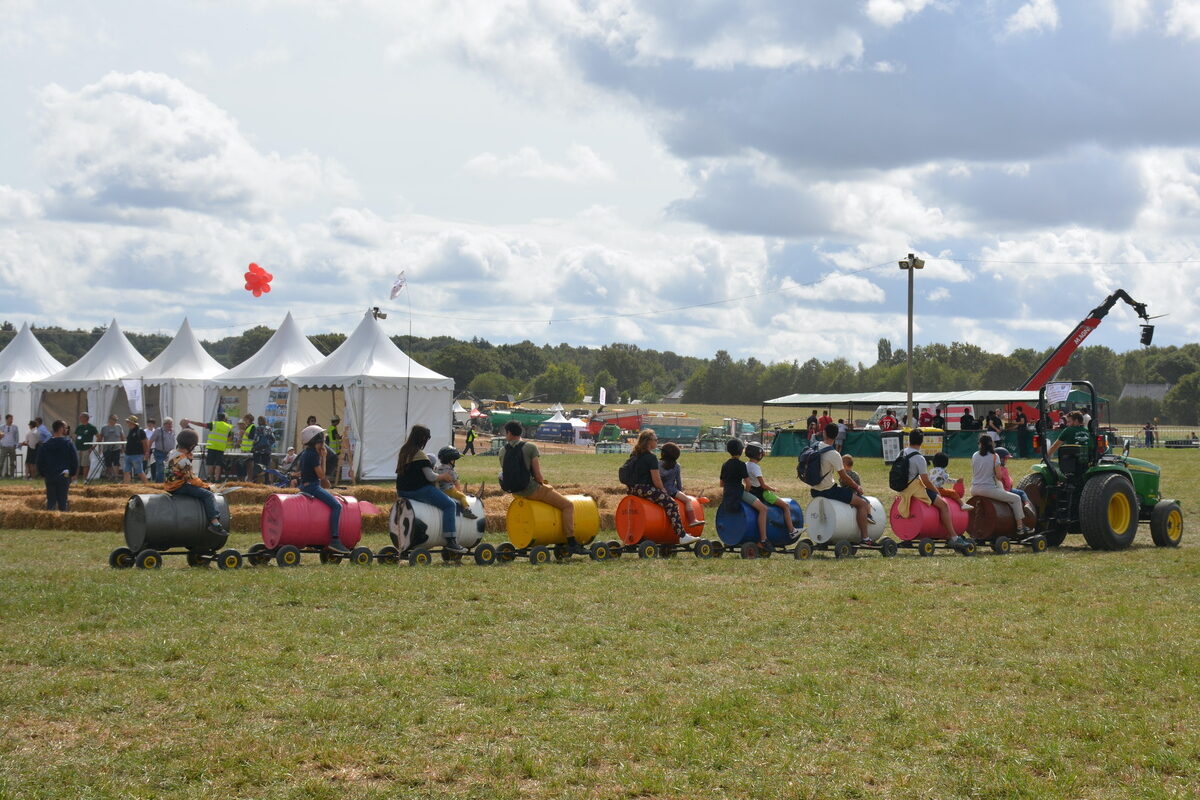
point(867, 444)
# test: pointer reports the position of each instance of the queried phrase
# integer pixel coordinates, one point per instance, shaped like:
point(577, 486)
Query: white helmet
point(311, 431)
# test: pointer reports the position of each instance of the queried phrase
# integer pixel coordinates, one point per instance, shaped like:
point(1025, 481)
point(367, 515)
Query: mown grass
point(1071, 674)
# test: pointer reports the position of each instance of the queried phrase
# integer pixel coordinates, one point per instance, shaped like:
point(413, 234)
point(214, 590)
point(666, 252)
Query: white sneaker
point(687, 538)
point(967, 507)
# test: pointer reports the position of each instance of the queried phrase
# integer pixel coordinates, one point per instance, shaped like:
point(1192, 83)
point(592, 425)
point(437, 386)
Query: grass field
point(1072, 674)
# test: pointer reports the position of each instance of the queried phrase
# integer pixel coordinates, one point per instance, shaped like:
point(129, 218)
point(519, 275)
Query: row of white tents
point(373, 386)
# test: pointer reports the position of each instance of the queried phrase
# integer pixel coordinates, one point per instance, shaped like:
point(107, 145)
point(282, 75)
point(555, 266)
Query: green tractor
point(1099, 494)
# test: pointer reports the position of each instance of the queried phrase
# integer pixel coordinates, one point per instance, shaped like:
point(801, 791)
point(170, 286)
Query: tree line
point(565, 373)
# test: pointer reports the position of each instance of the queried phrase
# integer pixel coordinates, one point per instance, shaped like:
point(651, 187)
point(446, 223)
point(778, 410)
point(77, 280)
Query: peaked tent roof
point(457, 408)
point(558, 417)
point(184, 359)
point(24, 360)
point(370, 355)
point(287, 351)
point(110, 358)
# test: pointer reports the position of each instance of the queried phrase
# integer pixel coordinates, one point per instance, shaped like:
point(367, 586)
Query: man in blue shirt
point(42, 430)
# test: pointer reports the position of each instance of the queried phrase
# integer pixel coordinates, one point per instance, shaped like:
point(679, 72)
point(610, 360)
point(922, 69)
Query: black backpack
point(898, 475)
point(625, 472)
point(808, 467)
point(514, 475)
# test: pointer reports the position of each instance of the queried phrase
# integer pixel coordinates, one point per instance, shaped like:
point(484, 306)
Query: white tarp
point(98, 373)
point(174, 382)
point(386, 393)
point(22, 362)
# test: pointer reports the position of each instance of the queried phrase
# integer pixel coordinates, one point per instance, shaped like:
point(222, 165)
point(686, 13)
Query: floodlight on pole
point(910, 264)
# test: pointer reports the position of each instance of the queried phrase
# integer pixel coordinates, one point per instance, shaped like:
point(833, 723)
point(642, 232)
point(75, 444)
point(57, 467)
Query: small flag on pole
point(398, 285)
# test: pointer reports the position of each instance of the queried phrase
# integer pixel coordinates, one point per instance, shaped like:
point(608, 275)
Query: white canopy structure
point(384, 393)
point(96, 375)
point(174, 382)
point(22, 362)
point(287, 351)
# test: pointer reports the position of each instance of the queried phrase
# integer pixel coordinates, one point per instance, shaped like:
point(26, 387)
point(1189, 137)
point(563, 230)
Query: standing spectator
point(823, 420)
point(43, 431)
point(1087, 417)
point(333, 446)
point(218, 441)
point(112, 432)
point(938, 421)
point(57, 461)
point(32, 440)
point(161, 450)
point(1148, 430)
point(967, 421)
point(1024, 445)
point(151, 430)
point(811, 423)
point(521, 475)
point(136, 448)
point(85, 434)
point(888, 421)
point(925, 418)
point(840, 441)
point(261, 448)
point(994, 426)
point(10, 439)
point(469, 448)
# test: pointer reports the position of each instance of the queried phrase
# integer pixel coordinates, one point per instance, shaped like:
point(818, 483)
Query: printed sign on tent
point(133, 393)
point(1057, 392)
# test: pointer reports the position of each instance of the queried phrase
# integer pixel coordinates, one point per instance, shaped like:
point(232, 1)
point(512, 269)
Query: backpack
point(264, 441)
point(514, 475)
point(625, 472)
point(808, 467)
point(898, 475)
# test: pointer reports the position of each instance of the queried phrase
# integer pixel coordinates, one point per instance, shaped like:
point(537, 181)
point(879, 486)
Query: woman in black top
point(416, 480)
point(647, 483)
point(311, 464)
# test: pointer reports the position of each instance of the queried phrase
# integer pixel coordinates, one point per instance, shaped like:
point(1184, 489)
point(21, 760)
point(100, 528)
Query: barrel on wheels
point(830, 521)
point(991, 521)
point(739, 530)
point(157, 525)
point(923, 529)
point(296, 523)
point(416, 526)
point(640, 520)
point(535, 528)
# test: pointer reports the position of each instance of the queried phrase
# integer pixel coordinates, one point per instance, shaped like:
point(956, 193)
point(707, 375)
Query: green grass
point(1071, 674)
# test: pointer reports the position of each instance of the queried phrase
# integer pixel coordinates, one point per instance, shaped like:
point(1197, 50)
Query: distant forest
point(565, 373)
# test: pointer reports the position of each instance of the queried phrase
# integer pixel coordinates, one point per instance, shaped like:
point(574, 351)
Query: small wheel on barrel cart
point(803, 551)
point(121, 558)
point(703, 549)
point(329, 557)
point(718, 548)
point(420, 557)
point(614, 548)
point(967, 549)
point(666, 551)
point(765, 549)
point(925, 547)
point(388, 555)
point(506, 553)
point(842, 550)
point(288, 556)
point(647, 549)
point(148, 559)
point(540, 555)
point(258, 556)
point(229, 559)
point(1001, 545)
point(598, 551)
point(196, 559)
point(451, 558)
point(360, 556)
point(1037, 544)
point(485, 555)
point(562, 552)
point(749, 550)
point(888, 548)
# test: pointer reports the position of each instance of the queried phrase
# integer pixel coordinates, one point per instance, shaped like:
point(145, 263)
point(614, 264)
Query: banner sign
point(133, 393)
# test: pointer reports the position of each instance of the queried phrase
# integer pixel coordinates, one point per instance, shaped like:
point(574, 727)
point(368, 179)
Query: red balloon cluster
point(258, 280)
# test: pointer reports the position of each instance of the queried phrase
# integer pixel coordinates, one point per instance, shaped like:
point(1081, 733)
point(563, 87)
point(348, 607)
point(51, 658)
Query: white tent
point(580, 428)
point(22, 362)
point(96, 375)
point(461, 415)
point(556, 407)
point(175, 380)
point(385, 393)
point(260, 382)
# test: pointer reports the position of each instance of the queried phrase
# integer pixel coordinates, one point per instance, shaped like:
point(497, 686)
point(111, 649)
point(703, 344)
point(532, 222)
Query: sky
point(689, 176)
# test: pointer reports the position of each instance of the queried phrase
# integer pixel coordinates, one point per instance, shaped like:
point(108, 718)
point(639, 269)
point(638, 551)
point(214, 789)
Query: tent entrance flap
point(323, 402)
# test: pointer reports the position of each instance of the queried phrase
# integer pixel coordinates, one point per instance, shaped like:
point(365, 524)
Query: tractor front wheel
point(1108, 512)
point(1166, 524)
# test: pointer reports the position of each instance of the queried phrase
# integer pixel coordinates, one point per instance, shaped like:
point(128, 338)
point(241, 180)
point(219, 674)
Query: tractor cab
point(1082, 487)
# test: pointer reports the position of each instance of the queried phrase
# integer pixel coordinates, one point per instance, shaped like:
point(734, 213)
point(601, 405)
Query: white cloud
point(1130, 16)
point(144, 141)
point(845, 288)
point(892, 12)
point(580, 166)
point(938, 294)
point(1036, 16)
point(1183, 19)
point(16, 205)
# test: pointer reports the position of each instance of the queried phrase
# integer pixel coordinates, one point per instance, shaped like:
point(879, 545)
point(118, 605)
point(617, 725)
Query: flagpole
point(408, 383)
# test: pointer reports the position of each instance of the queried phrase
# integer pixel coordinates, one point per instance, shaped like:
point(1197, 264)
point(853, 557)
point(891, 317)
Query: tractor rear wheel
point(1166, 524)
point(1034, 485)
point(1108, 512)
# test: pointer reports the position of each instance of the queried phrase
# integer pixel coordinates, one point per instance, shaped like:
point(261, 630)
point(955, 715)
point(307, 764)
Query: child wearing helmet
point(448, 482)
point(758, 486)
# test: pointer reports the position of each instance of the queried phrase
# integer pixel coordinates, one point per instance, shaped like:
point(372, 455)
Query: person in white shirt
point(918, 470)
point(987, 482)
point(10, 439)
point(848, 491)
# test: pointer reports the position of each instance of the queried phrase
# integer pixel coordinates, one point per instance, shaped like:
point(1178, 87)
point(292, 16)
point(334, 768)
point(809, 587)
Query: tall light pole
point(911, 264)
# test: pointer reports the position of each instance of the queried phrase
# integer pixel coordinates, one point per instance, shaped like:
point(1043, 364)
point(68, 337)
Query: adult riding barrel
point(156, 525)
point(534, 528)
point(416, 531)
point(993, 522)
point(644, 528)
point(832, 525)
point(923, 527)
point(739, 531)
point(296, 523)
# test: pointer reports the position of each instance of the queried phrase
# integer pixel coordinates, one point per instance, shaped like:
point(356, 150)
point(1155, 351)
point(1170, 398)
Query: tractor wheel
point(1166, 524)
point(1108, 512)
point(1034, 485)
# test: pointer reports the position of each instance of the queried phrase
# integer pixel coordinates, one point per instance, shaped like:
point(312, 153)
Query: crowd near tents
point(373, 387)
